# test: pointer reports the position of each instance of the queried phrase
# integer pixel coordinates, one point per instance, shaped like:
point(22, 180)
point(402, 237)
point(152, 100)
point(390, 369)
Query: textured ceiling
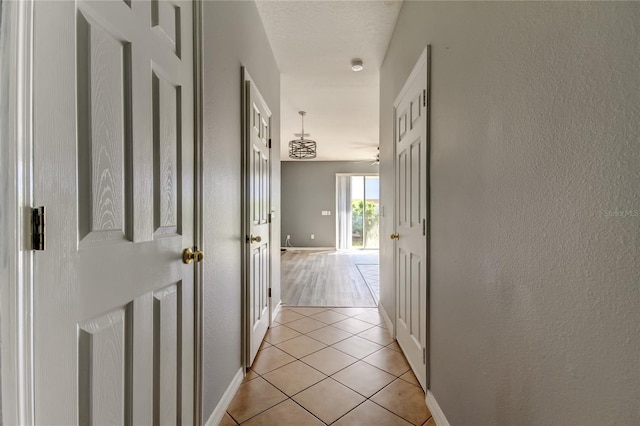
point(314, 43)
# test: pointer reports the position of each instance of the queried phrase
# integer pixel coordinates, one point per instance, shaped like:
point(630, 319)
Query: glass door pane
point(365, 212)
point(371, 212)
point(357, 212)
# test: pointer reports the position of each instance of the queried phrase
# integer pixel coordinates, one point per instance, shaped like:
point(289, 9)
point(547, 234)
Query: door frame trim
point(17, 281)
point(428, 224)
point(424, 58)
point(244, 261)
point(198, 171)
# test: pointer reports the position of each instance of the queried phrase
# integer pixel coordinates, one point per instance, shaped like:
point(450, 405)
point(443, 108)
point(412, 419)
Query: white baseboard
point(436, 412)
point(387, 320)
point(307, 248)
point(221, 408)
point(276, 311)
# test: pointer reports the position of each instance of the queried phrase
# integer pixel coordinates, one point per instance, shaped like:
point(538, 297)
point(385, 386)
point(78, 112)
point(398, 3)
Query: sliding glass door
point(365, 208)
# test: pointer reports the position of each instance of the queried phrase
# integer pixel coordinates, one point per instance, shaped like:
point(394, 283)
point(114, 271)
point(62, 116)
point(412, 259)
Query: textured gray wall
point(4, 112)
point(4, 178)
point(233, 36)
point(308, 188)
point(535, 304)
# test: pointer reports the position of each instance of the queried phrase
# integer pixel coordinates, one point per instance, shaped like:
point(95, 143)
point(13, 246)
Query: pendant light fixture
point(302, 149)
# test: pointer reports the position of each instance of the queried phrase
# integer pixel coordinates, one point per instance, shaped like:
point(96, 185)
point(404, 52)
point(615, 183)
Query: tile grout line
point(299, 405)
point(338, 419)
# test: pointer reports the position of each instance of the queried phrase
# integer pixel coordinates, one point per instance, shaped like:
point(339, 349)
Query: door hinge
point(38, 230)
point(424, 226)
point(424, 355)
point(269, 291)
point(424, 97)
point(269, 143)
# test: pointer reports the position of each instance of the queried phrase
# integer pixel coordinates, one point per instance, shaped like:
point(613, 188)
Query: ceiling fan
point(376, 160)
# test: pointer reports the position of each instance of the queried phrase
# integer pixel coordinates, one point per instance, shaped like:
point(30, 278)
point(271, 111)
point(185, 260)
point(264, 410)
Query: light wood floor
point(326, 278)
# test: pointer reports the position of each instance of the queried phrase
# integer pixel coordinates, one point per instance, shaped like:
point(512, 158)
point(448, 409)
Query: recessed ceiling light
point(356, 65)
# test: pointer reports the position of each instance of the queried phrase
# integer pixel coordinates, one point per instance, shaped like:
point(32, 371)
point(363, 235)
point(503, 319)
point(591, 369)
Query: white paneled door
point(411, 218)
point(113, 164)
point(257, 203)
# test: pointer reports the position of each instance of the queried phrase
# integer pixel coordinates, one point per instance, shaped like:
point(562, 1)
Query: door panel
point(102, 364)
point(113, 164)
point(103, 64)
point(167, 121)
point(411, 161)
point(166, 353)
point(258, 208)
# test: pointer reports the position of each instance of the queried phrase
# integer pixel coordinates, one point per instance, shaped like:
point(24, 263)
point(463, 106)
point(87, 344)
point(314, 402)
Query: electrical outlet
point(288, 237)
point(313, 236)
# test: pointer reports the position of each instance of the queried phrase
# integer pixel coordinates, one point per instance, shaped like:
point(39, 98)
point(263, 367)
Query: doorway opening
point(344, 272)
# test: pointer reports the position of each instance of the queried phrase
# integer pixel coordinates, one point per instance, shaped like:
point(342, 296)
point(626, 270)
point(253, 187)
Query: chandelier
point(302, 149)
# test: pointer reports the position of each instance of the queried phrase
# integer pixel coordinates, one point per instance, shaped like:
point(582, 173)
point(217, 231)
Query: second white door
point(257, 203)
point(411, 218)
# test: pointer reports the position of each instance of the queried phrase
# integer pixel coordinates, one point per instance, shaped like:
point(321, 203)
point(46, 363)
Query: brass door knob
point(255, 239)
point(189, 255)
point(394, 236)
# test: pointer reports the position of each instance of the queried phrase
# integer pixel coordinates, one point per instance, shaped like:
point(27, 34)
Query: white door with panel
point(113, 164)
point(411, 218)
point(258, 173)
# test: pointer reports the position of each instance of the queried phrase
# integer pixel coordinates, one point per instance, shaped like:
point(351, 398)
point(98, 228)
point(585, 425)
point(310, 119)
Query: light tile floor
point(323, 366)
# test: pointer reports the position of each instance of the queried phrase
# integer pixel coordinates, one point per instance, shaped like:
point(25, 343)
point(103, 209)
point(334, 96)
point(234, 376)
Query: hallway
point(329, 366)
point(151, 173)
